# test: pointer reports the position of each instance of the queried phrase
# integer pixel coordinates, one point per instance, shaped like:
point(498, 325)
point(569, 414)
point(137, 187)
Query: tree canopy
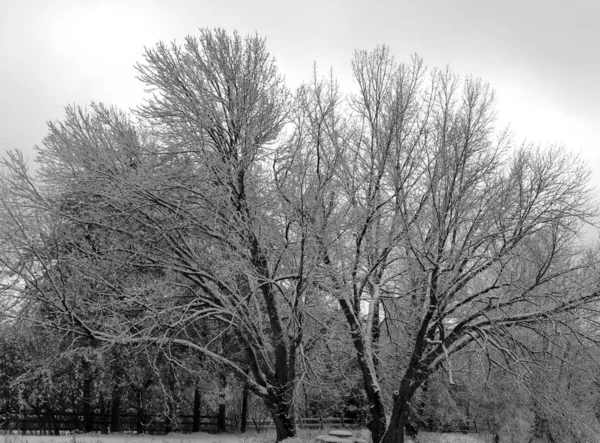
point(230, 219)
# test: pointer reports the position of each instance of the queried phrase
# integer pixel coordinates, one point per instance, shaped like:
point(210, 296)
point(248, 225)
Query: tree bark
point(196, 422)
point(282, 412)
point(244, 418)
point(103, 414)
point(115, 408)
point(221, 419)
point(399, 418)
point(86, 400)
point(221, 426)
point(367, 365)
point(378, 422)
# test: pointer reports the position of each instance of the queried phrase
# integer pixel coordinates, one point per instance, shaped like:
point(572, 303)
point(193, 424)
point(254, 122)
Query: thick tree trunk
point(279, 395)
point(281, 407)
point(368, 367)
point(399, 418)
point(378, 422)
point(285, 423)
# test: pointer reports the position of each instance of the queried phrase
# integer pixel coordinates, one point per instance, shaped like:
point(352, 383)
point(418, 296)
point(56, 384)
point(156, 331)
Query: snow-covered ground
point(199, 437)
point(202, 437)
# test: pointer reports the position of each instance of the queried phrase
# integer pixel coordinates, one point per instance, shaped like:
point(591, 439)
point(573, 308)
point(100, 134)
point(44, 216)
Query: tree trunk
point(378, 422)
point(115, 408)
point(366, 362)
point(368, 369)
point(244, 418)
point(399, 418)
point(87, 395)
point(56, 425)
point(196, 422)
point(283, 417)
point(139, 413)
point(221, 419)
point(103, 413)
point(221, 427)
point(168, 423)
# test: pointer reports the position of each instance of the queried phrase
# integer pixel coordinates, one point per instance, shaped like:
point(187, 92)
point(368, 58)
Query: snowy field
point(202, 437)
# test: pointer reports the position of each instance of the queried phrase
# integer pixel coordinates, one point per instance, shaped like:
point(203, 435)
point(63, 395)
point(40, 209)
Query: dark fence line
point(69, 422)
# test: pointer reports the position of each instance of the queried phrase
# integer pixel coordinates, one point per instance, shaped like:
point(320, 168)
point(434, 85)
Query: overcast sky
point(541, 56)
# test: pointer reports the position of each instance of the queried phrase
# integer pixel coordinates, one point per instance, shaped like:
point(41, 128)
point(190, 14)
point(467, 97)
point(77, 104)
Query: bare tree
point(234, 209)
point(442, 228)
point(184, 226)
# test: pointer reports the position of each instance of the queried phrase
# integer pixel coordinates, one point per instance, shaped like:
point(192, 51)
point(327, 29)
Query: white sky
point(541, 56)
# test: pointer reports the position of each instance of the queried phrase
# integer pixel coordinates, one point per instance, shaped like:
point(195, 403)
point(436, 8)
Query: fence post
point(321, 420)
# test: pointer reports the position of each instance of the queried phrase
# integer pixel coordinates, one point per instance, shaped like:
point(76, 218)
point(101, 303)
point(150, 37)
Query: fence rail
point(68, 422)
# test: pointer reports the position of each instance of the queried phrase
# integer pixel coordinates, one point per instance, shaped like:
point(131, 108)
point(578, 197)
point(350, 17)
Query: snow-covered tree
point(243, 224)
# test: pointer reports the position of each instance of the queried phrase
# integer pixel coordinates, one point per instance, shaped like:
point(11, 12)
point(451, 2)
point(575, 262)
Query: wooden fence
point(67, 423)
